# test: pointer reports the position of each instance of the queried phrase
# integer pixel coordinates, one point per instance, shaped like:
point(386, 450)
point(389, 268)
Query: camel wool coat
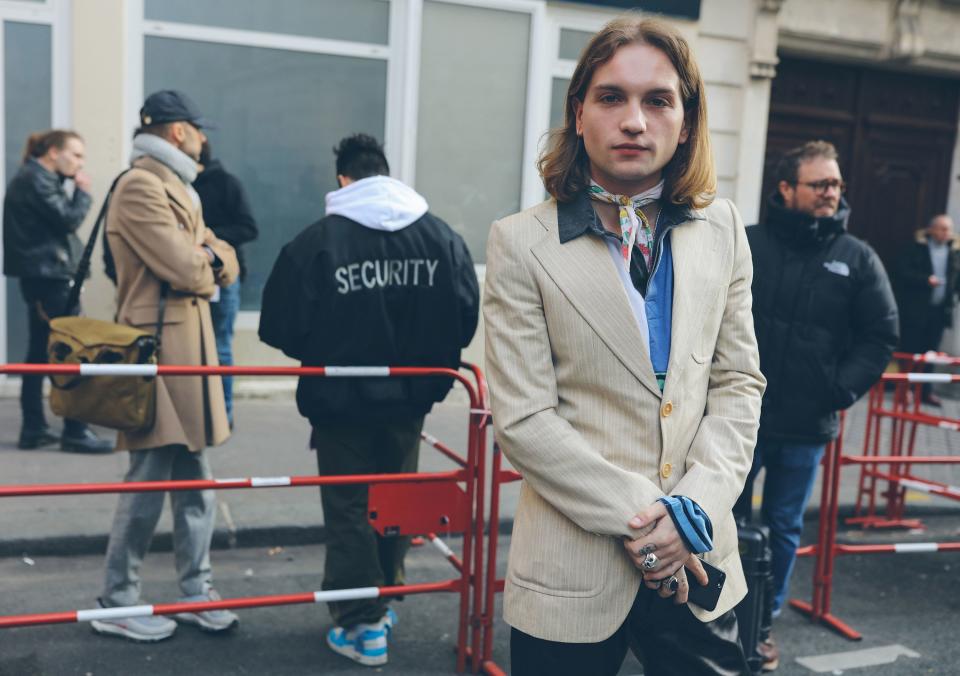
point(156, 233)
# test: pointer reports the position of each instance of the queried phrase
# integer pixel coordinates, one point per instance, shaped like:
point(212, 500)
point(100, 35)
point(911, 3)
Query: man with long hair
point(41, 216)
point(624, 374)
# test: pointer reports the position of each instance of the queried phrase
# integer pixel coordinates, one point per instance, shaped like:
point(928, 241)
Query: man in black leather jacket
point(40, 246)
point(826, 325)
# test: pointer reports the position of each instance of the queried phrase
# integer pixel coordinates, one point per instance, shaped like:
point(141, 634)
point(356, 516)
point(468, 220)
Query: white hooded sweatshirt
point(378, 203)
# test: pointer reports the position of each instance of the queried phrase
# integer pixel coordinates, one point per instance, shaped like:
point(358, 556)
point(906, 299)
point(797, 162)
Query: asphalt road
point(911, 601)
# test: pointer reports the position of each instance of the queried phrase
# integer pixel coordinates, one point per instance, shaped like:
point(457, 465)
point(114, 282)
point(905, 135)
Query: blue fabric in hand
point(691, 521)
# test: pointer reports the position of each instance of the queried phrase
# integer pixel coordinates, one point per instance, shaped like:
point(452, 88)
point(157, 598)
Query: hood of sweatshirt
point(378, 203)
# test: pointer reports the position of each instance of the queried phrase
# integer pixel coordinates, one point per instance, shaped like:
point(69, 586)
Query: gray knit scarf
point(184, 166)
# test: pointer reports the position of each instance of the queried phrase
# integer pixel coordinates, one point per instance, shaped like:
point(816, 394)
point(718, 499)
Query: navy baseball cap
point(169, 105)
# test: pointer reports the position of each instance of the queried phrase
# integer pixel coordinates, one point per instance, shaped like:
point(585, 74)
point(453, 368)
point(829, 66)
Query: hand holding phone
point(706, 596)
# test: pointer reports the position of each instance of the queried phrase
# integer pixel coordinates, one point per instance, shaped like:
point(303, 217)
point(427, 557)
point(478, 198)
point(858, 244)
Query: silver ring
point(671, 583)
point(650, 562)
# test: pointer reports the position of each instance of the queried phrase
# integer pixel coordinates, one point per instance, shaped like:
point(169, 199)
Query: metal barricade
point(906, 417)
point(437, 503)
point(827, 548)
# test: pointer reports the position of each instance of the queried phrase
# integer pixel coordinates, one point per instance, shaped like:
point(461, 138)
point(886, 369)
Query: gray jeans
point(135, 521)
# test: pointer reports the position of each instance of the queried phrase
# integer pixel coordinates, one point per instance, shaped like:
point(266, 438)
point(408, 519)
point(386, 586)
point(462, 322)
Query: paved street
point(895, 600)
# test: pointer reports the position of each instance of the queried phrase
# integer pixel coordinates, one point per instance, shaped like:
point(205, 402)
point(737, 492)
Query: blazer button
point(666, 470)
point(666, 409)
point(193, 302)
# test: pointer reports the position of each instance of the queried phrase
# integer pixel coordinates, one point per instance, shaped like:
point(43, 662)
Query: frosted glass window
point(558, 99)
point(279, 114)
point(27, 73)
point(470, 130)
point(356, 20)
point(572, 43)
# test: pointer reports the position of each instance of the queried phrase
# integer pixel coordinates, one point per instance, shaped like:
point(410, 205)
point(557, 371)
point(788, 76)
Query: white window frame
point(57, 15)
point(402, 55)
point(399, 54)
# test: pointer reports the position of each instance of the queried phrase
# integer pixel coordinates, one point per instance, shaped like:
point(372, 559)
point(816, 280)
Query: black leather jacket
point(40, 223)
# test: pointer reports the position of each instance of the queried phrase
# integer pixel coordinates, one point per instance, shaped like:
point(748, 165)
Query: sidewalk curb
point(290, 536)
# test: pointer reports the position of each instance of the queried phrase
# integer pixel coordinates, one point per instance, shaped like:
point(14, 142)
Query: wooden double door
point(895, 133)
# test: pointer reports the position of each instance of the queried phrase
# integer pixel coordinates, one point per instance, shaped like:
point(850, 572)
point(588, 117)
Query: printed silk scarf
point(634, 226)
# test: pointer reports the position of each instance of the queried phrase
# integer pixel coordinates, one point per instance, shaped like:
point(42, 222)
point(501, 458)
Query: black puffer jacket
point(40, 224)
point(825, 318)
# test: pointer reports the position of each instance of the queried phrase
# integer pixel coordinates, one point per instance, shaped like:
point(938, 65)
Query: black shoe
point(85, 442)
point(30, 439)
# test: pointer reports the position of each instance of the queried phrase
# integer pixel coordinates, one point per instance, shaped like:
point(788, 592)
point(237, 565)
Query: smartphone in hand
point(706, 596)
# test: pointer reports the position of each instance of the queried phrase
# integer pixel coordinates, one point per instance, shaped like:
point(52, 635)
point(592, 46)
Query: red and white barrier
point(427, 503)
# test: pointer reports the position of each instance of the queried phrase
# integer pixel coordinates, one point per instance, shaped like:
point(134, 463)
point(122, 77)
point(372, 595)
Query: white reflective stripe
point(929, 377)
point(953, 489)
point(429, 438)
point(914, 547)
point(480, 411)
point(231, 481)
point(118, 369)
point(258, 481)
point(346, 594)
point(346, 371)
point(114, 613)
point(442, 546)
point(947, 425)
point(931, 357)
point(916, 485)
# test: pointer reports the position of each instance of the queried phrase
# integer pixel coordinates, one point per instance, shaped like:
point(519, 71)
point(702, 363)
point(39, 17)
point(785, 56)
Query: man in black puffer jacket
point(826, 325)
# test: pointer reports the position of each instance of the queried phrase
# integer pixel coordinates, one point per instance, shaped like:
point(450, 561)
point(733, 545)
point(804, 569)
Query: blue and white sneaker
point(365, 644)
point(390, 620)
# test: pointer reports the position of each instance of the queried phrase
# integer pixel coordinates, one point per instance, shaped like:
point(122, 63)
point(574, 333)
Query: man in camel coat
point(166, 257)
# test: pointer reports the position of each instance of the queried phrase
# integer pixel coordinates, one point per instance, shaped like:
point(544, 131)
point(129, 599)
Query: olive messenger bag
point(125, 403)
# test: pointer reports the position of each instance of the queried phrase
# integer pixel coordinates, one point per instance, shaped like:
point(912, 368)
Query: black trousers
point(357, 556)
point(925, 336)
point(50, 297)
point(665, 637)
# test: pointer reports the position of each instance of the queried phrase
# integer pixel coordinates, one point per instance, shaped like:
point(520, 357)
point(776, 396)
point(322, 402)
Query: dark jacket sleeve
point(280, 308)
point(64, 214)
point(239, 226)
point(913, 269)
point(468, 291)
point(875, 333)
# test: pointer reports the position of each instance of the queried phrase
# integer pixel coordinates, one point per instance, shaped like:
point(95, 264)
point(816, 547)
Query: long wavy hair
point(689, 177)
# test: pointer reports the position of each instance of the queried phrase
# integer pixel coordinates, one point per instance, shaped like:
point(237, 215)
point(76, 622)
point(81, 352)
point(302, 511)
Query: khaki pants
point(356, 555)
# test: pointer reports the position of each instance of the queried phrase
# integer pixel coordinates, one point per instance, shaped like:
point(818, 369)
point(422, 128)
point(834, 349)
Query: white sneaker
point(149, 629)
point(208, 620)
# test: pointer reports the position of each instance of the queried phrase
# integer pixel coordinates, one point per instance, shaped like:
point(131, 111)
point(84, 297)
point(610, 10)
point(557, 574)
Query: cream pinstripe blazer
point(578, 412)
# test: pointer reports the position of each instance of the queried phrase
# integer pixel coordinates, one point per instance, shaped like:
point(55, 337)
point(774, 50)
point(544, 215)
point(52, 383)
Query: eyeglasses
point(821, 187)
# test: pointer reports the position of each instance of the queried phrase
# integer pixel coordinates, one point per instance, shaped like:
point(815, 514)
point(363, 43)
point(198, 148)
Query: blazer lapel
point(584, 272)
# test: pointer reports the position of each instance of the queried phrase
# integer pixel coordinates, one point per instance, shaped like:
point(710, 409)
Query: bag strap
point(161, 309)
point(84, 266)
